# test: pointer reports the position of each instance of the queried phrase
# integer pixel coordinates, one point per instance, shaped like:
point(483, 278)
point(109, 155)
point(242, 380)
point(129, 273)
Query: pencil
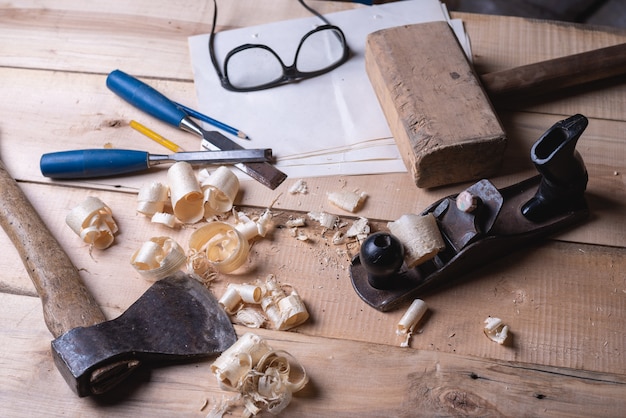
point(211, 121)
point(155, 136)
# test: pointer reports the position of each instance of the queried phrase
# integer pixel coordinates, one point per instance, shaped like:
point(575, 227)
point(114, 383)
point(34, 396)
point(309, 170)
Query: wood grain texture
point(564, 298)
point(444, 125)
point(67, 303)
point(346, 376)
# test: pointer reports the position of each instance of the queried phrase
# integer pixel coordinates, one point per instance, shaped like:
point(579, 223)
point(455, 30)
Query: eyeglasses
point(252, 67)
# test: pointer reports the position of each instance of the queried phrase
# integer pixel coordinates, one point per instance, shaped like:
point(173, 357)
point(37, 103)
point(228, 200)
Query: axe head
point(176, 319)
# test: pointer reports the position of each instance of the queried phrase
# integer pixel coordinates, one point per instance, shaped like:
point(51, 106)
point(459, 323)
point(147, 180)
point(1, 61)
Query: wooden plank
point(562, 301)
point(444, 125)
point(403, 381)
point(137, 36)
point(143, 38)
point(81, 111)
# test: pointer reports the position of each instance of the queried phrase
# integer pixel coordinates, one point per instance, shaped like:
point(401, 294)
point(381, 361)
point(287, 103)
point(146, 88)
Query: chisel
point(91, 163)
point(156, 104)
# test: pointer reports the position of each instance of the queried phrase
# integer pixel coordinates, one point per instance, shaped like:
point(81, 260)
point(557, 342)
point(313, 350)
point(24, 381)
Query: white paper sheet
point(328, 125)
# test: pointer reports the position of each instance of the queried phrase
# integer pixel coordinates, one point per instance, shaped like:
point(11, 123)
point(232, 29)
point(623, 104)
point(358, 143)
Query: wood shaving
point(295, 222)
point(185, 193)
point(301, 236)
point(152, 198)
point(219, 188)
point(409, 320)
point(359, 229)
point(223, 406)
point(339, 238)
point(347, 200)
point(326, 220)
point(283, 311)
point(93, 222)
point(250, 317)
point(199, 266)
point(158, 258)
point(299, 186)
point(265, 378)
point(252, 228)
point(420, 237)
point(225, 248)
point(496, 330)
point(166, 219)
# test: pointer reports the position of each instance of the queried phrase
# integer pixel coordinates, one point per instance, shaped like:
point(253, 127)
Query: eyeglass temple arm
point(212, 43)
point(312, 10)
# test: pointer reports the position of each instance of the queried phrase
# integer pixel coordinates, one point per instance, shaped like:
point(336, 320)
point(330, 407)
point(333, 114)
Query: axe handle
point(556, 74)
point(67, 303)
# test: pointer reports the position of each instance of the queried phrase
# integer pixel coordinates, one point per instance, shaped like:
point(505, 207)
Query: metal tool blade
point(177, 318)
point(156, 104)
point(265, 173)
point(214, 157)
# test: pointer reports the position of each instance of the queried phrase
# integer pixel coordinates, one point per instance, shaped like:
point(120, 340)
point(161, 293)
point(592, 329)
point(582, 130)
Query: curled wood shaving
point(152, 198)
point(410, 319)
point(93, 222)
point(198, 266)
point(166, 219)
point(158, 258)
point(185, 193)
point(220, 189)
point(299, 186)
point(222, 244)
point(326, 220)
point(231, 300)
point(250, 317)
point(191, 199)
point(496, 330)
point(420, 237)
point(284, 311)
point(347, 200)
point(253, 228)
point(265, 378)
point(221, 407)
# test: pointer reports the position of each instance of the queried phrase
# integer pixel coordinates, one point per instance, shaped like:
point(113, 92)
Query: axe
point(177, 318)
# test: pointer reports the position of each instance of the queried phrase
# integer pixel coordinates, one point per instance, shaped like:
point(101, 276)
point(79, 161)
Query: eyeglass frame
point(290, 73)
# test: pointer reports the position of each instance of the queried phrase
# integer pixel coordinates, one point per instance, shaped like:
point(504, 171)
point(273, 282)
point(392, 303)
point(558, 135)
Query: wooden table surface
point(564, 299)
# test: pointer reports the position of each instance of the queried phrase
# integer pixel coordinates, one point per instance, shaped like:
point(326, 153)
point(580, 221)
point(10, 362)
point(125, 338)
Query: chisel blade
point(265, 173)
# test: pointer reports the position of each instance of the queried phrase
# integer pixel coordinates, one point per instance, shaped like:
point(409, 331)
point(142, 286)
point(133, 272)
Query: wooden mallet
point(440, 111)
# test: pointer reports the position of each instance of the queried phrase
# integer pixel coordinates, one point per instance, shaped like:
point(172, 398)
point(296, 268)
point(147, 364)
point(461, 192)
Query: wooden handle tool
point(177, 318)
point(440, 112)
point(67, 303)
point(556, 74)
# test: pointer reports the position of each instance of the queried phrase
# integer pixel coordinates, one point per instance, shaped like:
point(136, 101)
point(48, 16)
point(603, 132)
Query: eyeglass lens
point(258, 65)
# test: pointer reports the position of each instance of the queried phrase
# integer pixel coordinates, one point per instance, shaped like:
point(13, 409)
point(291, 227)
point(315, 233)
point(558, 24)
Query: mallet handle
point(67, 303)
point(556, 74)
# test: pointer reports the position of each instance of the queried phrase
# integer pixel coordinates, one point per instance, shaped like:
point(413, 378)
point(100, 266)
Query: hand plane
point(498, 222)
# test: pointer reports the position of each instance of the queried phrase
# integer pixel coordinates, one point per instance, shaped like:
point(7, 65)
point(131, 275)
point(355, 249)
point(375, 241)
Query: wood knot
point(113, 123)
point(462, 402)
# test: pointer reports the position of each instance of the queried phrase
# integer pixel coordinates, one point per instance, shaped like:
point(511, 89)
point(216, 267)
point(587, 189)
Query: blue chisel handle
point(88, 163)
point(144, 97)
